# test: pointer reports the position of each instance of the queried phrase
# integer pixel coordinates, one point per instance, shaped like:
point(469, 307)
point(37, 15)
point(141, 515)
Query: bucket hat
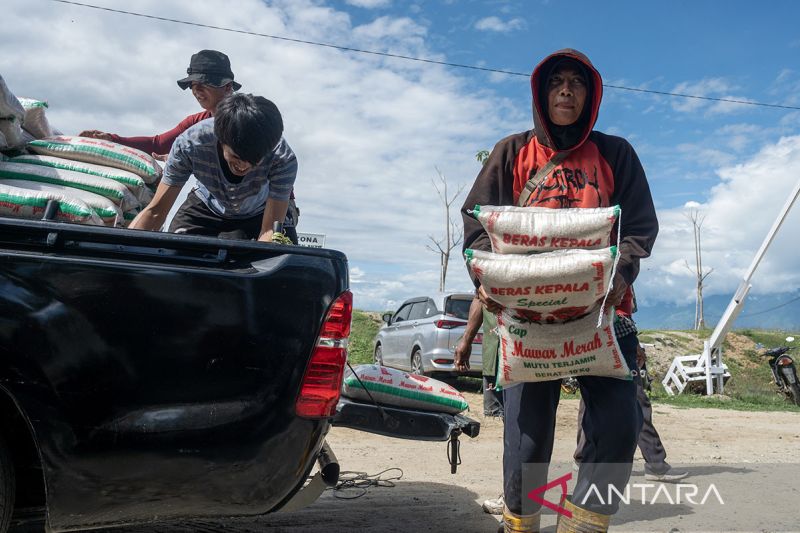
point(210, 67)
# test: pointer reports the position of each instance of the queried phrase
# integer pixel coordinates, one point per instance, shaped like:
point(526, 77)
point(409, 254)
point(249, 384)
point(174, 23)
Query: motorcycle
point(783, 371)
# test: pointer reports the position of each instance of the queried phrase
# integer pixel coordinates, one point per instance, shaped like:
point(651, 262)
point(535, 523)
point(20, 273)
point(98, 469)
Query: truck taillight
point(322, 381)
point(449, 324)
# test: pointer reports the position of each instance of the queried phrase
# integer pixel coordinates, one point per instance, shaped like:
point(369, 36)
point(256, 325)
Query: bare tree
point(700, 276)
point(452, 237)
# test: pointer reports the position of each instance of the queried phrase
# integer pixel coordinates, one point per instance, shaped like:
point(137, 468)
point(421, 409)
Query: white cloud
point(496, 24)
point(739, 212)
point(369, 4)
point(710, 88)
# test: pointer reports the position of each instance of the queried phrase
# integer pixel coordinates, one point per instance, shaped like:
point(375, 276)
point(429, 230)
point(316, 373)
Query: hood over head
point(561, 138)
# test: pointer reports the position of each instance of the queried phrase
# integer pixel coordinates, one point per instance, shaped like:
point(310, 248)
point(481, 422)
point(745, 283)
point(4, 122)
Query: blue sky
point(370, 131)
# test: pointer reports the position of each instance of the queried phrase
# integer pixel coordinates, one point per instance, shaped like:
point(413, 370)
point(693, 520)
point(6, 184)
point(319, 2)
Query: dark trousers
point(195, 218)
point(655, 456)
point(611, 423)
point(492, 399)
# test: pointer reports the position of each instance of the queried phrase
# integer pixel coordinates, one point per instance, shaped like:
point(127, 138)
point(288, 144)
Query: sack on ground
point(108, 213)
point(397, 388)
point(521, 230)
point(35, 121)
point(29, 203)
point(100, 152)
point(133, 182)
point(543, 352)
point(114, 191)
point(556, 285)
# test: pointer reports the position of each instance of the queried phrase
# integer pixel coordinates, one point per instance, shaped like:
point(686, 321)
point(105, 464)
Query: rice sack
point(114, 191)
point(106, 153)
point(35, 121)
point(558, 285)
point(133, 182)
point(105, 209)
point(29, 203)
point(389, 386)
point(530, 351)
point(522, 230)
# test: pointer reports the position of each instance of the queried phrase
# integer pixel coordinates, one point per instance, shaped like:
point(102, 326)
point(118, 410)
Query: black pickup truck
point(148, 376)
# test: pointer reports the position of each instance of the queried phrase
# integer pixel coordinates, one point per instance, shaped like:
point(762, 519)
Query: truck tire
point(378, 357)
point(794, 388)
point(7, 486)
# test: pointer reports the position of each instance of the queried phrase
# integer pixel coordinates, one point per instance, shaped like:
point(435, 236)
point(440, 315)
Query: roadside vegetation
point(750, 388)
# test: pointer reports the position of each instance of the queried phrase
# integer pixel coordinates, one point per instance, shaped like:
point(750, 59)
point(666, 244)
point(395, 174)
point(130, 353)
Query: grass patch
point(362, 334)
point(754, 400)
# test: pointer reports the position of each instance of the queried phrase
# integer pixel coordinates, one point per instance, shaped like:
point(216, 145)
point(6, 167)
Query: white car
point(421, 336)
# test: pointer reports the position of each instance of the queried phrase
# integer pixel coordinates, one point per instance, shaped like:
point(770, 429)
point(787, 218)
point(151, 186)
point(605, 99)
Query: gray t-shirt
point(195, 152)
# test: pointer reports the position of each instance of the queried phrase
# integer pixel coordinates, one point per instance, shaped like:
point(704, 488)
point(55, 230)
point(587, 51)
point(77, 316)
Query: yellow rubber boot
point(513, 523)
point(582, 521)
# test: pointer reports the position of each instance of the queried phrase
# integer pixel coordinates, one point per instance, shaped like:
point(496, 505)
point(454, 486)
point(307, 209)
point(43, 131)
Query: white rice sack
point(133, 182)
point(98, 151)
point(559, 285)
point(29, 203)
point(9, 104)
point(108, 213)
point(114, 191)
point(521, 230)
point(12, 133)
point(543, 352)
point(395, 387)
point(35, 121)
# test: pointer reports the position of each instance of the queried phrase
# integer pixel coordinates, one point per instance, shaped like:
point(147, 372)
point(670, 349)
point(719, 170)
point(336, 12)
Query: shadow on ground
point(408, 506)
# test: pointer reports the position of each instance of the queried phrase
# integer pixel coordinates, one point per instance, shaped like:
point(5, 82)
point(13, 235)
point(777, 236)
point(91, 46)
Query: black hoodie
point(601, 170)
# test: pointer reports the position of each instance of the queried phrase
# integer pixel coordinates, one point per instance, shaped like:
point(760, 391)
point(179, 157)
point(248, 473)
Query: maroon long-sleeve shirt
point(161, 144)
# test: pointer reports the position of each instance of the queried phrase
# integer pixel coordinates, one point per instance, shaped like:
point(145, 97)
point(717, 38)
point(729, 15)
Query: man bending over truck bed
point(245, 172)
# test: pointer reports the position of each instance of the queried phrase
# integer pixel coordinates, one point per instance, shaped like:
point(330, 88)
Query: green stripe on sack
point(70, 209)
point(66, 147)
point(468, 254)
point(476, 211)
point(125, 180)
point(409, 394)
point(107, 193)
point(31, 105)
point(613, 251)
point(617, 210)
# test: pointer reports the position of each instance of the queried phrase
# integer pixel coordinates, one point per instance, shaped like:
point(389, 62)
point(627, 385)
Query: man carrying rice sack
point(245, 171)
point(569, 165)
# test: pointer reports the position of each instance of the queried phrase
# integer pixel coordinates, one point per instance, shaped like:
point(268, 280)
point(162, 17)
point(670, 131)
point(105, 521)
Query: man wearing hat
point(211, 79)
point(564, 163)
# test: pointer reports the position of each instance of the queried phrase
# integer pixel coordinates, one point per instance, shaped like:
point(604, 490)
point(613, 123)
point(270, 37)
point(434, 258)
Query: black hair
point(249, 125)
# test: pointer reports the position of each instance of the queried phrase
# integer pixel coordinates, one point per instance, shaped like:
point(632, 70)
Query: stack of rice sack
point(551, 269)
point(93, 181)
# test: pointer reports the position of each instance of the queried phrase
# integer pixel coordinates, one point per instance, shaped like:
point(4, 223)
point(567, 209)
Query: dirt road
point(750, 458)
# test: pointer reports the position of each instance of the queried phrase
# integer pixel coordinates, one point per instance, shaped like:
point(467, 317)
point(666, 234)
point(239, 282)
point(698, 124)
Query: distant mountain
point(763, 311)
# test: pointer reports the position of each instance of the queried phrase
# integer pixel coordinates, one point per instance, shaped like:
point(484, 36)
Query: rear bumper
point(403, 423)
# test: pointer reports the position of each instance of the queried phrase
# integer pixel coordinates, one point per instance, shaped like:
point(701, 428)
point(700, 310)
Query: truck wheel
point(795, 391)
point(7, 485)
point(378, 357)
point(416, 363)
